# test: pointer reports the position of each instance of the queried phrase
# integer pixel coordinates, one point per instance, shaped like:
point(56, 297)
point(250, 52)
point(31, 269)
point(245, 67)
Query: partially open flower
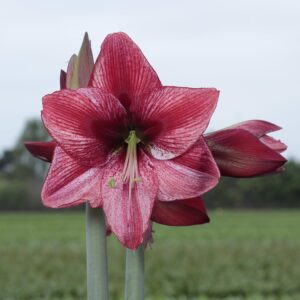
point(245, 149)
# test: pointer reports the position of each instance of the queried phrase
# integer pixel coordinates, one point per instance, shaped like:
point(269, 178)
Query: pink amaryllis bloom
point(127, 142)
point(245, 149)
point(242, 150)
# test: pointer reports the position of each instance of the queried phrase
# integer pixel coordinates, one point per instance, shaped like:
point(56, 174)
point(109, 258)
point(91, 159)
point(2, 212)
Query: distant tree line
point(21, 179)
point(272, 191)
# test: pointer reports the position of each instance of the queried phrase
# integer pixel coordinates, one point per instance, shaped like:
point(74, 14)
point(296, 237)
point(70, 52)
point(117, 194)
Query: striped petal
point(187, 176)
point(69, 183)
point(122, 70)
point(87, 123)
point(128, 214)
point(172, 119)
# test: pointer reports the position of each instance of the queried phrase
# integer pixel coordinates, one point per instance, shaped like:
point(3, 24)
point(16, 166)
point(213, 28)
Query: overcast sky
point(250, 50)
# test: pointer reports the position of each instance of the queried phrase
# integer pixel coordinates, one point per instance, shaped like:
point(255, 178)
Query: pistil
point(130, 172)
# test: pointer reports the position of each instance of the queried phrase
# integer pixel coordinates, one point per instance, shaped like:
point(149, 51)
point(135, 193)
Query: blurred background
point(250, 51)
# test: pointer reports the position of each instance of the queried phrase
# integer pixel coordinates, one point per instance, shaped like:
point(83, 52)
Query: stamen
point(130, 173)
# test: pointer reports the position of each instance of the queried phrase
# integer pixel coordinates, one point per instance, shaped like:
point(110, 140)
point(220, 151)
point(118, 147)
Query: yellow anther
point(137, 179)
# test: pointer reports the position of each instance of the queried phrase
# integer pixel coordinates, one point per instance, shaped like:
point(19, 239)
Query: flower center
point(130, 171)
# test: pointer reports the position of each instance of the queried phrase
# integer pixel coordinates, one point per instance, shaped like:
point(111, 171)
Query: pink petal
point(41, 150)
point(180, 213)
point(69, 183)
point(122, 69)
point(63, 79)
point(86, 123)
point(187, 176)
point(129, 218)
point(173, 118)
point(274, 144)
point(256, 127)
point(239, 153)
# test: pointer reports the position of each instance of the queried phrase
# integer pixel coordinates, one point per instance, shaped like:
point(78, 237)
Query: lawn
point(239, 255)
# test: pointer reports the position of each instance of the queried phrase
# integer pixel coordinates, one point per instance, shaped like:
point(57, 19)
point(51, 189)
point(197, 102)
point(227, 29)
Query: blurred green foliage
point(21, 178)
point(273, 191)
point(239, 255)
point(21, 175)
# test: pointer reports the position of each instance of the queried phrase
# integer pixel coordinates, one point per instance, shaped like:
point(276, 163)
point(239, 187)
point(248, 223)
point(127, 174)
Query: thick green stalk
point(96, 253)
point(134, 275)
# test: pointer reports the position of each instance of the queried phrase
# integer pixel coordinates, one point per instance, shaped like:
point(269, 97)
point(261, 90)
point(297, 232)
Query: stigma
point(130, 173)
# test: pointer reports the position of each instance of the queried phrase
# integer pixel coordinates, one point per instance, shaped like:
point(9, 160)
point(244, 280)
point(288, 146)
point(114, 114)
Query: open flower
point(242, 150)
point(126, 142)
point(245, 149)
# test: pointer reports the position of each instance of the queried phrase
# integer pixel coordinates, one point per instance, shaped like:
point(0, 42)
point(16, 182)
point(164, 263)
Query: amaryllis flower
point(126, 142)
point(245, 149)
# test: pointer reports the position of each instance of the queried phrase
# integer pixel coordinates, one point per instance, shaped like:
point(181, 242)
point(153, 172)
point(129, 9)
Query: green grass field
point(239, 255)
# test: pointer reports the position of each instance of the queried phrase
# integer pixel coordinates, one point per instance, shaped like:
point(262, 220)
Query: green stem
point(96, 253)
point(134, 275)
